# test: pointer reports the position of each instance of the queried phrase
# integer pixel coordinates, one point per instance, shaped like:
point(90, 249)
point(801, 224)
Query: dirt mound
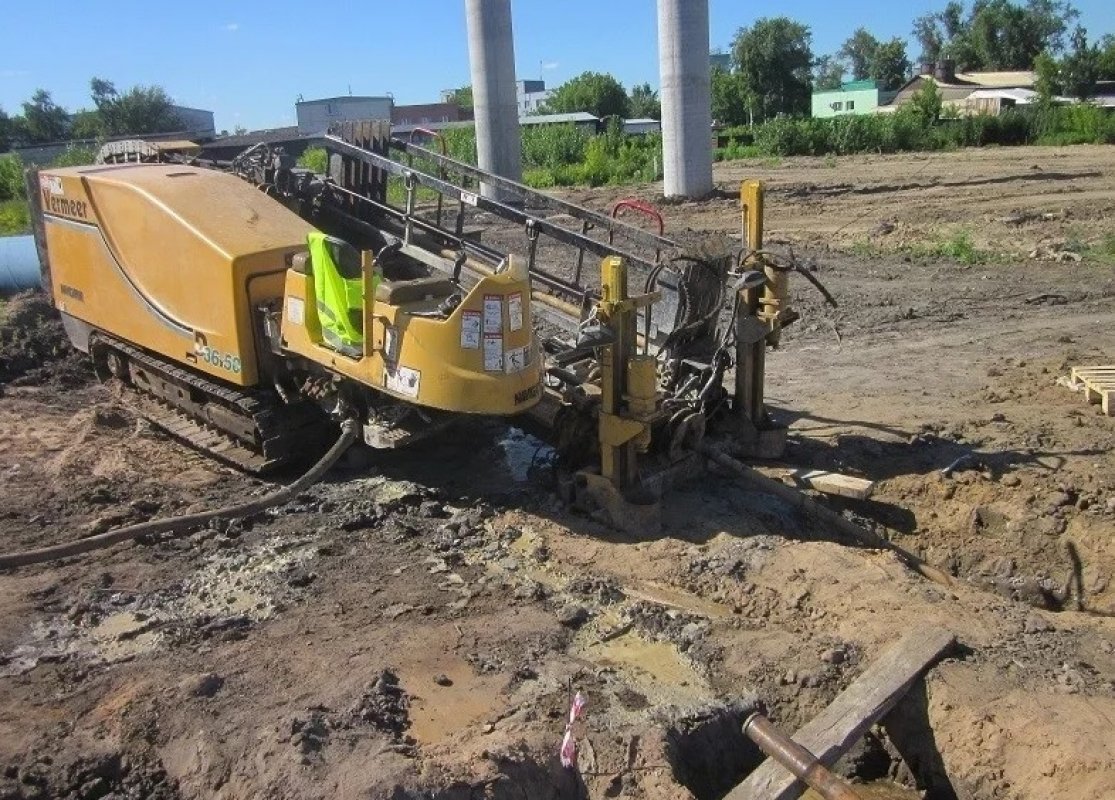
point(34, 349)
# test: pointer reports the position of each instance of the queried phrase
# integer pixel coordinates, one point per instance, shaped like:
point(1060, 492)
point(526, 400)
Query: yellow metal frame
point(170, 258)
point(424, 360)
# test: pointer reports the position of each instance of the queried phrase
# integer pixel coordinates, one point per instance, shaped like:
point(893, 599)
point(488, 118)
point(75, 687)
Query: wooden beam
point(830, 483)
point(832, 733)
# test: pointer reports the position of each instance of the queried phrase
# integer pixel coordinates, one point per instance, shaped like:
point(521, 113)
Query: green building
point(854, 97)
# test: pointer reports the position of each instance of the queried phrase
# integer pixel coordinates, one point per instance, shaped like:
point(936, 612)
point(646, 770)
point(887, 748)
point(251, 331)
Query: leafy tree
point(928, 34)
point(1080, 68)
point(316, 159)
point(889, 64)
point(859, 53)
point(1048, 82)
point(828, 74)
point(927, 102)
point(141, 109)
point(6, 131)
point(774, 58)
point(75, 156)
point(462, 97)
point(994, 34)
point(730, 103)
point(86, 124)
point(598, 94)
point(644, 103)
point(1105, 59)
point(44, 120)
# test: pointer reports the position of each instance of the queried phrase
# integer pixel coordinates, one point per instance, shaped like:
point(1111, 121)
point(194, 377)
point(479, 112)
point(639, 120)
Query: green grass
point(1103, 251)
point(957, 247)
point(15, 217)
point(865, 249)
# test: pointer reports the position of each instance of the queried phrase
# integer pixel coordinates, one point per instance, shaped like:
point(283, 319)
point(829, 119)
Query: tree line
point(139, 110)
point(774, 70)
point(597, 93)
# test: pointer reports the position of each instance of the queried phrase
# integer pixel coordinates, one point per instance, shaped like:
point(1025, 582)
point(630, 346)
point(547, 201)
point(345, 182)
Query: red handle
point(643, 208)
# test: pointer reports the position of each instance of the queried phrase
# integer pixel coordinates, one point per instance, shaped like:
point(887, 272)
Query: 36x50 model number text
point(225, 361)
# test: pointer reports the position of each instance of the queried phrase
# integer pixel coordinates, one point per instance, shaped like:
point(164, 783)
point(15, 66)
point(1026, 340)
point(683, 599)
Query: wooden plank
point(831, 483)
point(1098, 370)
point(831, 733)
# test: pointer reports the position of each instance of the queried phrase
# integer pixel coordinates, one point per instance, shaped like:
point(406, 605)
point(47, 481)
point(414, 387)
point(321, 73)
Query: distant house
point(315, 116)
point(195, 123)
point(972, 93)
point(428, 113)
point(530, 95)
point(641, 127)
point(579, 119)
point(854, 97)
point(720, 61)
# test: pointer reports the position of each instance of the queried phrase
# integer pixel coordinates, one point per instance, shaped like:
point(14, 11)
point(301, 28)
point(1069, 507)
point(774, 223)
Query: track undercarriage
point(254, 430)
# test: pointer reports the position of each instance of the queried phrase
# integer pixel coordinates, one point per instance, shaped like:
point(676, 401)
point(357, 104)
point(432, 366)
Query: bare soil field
point(413, 626)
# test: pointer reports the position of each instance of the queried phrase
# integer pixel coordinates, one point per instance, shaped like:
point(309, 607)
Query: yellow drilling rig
point(252, 305)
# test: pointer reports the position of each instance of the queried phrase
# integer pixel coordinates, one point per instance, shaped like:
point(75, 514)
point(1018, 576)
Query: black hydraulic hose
point(350, 431)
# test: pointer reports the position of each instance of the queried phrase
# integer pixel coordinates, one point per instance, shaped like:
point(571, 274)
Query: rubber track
point(283, 433)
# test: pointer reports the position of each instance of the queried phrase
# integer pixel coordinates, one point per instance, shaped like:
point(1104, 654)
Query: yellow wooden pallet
point(1098, 384)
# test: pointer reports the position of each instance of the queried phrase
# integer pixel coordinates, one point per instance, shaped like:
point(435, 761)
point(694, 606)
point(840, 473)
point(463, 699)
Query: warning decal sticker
point(515, 311)
point(493, 353)
point(403, 380)
point(470, 330)
point(517, 359)
point(493, 313)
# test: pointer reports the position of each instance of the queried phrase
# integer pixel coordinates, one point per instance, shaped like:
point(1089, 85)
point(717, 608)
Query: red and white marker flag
point(568, 742)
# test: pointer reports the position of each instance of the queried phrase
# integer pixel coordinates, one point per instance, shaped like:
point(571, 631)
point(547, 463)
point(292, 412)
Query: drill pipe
point(800, 762)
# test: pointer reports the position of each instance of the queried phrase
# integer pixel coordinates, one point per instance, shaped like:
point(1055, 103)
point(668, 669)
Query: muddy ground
point(413, 626)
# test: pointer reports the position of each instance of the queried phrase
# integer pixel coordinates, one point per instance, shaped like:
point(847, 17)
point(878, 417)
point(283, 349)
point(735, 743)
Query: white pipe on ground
point(19, 264)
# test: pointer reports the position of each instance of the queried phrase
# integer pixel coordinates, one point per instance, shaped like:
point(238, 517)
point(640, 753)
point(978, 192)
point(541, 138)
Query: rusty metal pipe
point(802, 764)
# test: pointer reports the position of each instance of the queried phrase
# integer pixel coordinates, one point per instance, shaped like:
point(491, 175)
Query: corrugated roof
point(575, 116)
point(1017, 95)
point(346, 98)
point(1012, 78)
point(267, 136)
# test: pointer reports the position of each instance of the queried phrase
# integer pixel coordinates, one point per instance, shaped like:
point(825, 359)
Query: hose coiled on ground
point(350, 432)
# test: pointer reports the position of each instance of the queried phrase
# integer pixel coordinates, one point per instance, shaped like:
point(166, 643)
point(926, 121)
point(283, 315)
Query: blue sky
point(249, 60)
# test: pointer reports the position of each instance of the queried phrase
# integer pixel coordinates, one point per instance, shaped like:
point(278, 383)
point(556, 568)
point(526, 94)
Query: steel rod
point(802, 764)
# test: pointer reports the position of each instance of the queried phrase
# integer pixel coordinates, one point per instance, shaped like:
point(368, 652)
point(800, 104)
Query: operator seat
point(338, 292)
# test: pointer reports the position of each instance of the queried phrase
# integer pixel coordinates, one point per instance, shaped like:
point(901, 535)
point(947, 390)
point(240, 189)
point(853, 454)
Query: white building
point(530, 96)
point(315, 116)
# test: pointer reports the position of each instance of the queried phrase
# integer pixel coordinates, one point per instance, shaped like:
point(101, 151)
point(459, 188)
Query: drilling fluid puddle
point(438, 712)
point(116, 627)
point(678, 599)
point(123, 635)
point(657, 669)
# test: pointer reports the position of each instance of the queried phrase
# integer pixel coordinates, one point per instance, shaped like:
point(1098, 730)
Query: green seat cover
point(339, 292)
